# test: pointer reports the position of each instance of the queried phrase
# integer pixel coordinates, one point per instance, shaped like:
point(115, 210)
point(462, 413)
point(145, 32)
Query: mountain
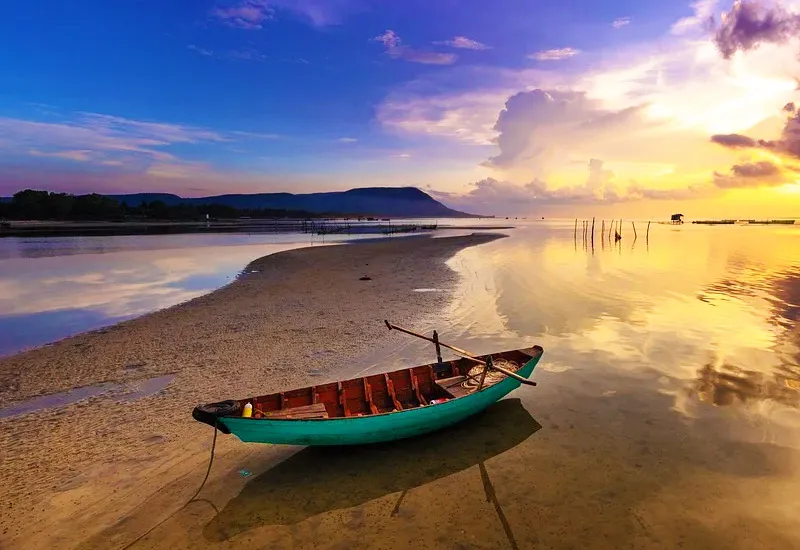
point(407, 202)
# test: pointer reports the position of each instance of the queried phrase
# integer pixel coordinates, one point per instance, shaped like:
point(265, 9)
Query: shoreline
point(22, 229)
point(293, 318)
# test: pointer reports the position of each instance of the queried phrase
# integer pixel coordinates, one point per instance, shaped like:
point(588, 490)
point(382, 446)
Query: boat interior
point(387, 392)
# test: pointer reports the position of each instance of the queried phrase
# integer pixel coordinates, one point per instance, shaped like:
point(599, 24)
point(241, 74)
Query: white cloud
point(347, 140)
point(703, 14)
point(620, 22)
point(395, 49)
point(554, 55)
point(464, 43)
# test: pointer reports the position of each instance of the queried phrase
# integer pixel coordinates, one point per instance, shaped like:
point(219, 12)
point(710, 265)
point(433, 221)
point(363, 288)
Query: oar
point(462, 353)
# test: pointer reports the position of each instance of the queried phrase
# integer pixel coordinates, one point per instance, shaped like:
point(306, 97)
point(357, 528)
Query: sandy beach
point(294, 318)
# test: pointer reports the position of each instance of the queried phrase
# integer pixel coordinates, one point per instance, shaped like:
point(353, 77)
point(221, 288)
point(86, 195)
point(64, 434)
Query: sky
point(511, 107)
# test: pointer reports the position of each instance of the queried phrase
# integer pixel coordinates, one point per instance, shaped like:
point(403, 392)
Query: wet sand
point(116, 465)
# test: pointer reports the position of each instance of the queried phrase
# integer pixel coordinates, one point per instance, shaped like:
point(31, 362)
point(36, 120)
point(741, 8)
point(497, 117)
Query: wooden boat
point(378, 407)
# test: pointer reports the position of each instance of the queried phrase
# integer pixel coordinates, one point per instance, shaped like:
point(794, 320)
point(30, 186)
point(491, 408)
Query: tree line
point(32, 204)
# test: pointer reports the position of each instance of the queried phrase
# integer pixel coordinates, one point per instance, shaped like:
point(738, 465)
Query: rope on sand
point(188, 502)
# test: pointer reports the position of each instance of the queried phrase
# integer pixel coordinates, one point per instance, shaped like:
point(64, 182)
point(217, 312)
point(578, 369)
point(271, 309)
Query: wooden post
point(592, 232)
point(648, 231)
point(603, 230)
point(634, 230)
point(486, 368)
point(620, 228)
point(576, 229)
point(438, 347)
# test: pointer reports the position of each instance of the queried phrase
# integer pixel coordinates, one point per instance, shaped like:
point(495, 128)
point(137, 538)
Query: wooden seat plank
point(316, 410)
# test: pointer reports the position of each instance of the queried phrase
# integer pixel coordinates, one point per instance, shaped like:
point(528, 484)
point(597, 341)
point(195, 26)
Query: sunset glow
point(581, 108)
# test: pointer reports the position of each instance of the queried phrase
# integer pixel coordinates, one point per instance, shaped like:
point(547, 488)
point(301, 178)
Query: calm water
point(54, 287)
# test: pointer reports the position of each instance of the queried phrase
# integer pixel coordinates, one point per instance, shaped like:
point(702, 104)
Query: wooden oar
point(463, 353)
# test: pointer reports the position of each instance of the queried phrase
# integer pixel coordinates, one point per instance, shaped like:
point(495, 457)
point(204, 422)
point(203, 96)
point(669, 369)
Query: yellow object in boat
point(248, 411)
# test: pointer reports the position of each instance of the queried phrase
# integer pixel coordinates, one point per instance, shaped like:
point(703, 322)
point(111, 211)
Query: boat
point(378, 407)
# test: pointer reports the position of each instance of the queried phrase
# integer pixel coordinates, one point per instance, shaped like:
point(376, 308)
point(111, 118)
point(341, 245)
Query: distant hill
point(407, 202)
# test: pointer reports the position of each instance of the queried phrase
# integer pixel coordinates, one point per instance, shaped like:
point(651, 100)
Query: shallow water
point(54, 287)
point(120, 392)
point(667, 412)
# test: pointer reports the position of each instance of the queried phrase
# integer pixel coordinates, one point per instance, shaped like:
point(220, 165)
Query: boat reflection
point(323, 479)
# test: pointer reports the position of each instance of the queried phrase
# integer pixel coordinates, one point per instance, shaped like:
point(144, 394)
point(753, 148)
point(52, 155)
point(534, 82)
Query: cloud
point(620, 22)
point(248, 14)
point(787, 144)
point(734, 141)
point(395, 49)
point(756, 174)
point(467, 117)
point(321, 13)
point(245, 55)
point(703, 17)
point(554, 55)
point(105, 141)
point(201, 51)
point(491, 196)
point(76, 155)
point(464, 43)
point(750, 23)
point(537, 126)
point(347, 140)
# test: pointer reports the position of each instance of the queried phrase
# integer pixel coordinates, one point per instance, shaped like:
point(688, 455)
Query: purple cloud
point(395, 49)
point(463, 43)
point(248, 14)
point(754, 174)
point(734, 141)
point(749, 23)
point(787, 144)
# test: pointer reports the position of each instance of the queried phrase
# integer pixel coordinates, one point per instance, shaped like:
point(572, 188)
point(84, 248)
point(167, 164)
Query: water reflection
point(56, 287)
point(712, 311)
point(319, 479)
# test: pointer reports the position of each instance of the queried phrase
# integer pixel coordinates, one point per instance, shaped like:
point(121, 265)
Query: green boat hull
point(359, 430)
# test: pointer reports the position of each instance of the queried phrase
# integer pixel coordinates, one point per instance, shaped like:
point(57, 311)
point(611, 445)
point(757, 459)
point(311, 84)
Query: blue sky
point(302, 95)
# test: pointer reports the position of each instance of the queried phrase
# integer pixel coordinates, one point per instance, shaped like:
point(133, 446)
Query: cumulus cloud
point(538, 126)
point(464, 43)
point(397, 50)
point(620, 22)
point(554, 55)
point(248, 14)
point(750, 23)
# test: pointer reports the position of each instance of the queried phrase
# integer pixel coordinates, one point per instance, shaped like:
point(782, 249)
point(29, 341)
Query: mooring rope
point(188, 502)
point(492, 377)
